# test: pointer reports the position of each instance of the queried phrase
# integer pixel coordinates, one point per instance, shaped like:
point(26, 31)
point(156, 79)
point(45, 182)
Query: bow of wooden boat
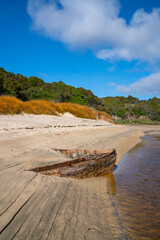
point(83, 163)
point(79, 153)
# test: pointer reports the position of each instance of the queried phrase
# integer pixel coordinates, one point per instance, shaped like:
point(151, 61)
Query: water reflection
point(135, 187)
point(157, 138)
point(111, 184)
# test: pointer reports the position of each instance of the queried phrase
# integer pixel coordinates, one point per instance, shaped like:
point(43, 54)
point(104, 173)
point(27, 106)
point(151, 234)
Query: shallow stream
point(135, 189)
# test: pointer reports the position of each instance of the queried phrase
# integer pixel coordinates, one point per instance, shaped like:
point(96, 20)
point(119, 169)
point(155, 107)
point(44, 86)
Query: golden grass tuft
point(39, 107)
point(77, 110)
point(104, 116)
point(12, 105)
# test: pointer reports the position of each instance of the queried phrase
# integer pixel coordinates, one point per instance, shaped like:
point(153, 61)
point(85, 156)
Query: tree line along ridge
point(34, 88)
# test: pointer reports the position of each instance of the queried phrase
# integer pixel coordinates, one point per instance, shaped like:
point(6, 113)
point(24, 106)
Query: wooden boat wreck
point(81, 164)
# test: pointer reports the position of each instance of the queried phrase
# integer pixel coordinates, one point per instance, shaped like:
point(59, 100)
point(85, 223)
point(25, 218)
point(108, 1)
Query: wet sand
point(33, 206)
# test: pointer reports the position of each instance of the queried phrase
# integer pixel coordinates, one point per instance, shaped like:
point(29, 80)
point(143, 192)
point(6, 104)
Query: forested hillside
point(132, 108)
point(33, 88)
point(121, 108)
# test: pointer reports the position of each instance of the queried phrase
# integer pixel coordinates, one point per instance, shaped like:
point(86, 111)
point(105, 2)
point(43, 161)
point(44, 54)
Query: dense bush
point(12, 105)
point(34, 88)
point(131, 107)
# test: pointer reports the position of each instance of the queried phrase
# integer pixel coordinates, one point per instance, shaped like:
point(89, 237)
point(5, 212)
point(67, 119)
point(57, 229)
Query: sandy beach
point(33, 206)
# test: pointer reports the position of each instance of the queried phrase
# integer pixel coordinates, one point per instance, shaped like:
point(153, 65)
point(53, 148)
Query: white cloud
point(114, 54)
point(146, 86)
point(96, 24)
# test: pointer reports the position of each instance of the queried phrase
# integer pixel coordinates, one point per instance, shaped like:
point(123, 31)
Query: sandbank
point(33, 206)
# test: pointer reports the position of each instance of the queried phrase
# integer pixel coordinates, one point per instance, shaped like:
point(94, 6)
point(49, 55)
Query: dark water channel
point(135, 189)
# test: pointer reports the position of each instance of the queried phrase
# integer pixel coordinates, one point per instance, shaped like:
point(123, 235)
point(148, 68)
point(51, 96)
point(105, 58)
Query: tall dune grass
point(39, 107)
point(12, 105)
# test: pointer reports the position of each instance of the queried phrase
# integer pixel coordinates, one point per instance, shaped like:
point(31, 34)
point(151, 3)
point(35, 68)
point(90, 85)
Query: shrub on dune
point(39, 107)
point(104, 116)
point(12, 105)
point(77, 110)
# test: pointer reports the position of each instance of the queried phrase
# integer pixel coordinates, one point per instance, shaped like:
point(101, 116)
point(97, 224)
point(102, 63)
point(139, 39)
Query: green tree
point(36, 82)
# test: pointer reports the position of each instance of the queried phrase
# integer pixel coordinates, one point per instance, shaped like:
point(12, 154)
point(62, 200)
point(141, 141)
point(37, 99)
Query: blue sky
point(108, 46)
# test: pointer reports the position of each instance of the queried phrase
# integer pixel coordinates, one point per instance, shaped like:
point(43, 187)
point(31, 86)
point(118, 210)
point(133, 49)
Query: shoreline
point(29, 125)
point(44, 207)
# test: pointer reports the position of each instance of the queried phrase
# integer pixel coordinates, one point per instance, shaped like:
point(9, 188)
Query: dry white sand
point(33, 206)
point(34, 124)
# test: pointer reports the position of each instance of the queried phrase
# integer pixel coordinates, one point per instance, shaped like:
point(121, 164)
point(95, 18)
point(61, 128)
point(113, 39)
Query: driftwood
point(81, 164)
